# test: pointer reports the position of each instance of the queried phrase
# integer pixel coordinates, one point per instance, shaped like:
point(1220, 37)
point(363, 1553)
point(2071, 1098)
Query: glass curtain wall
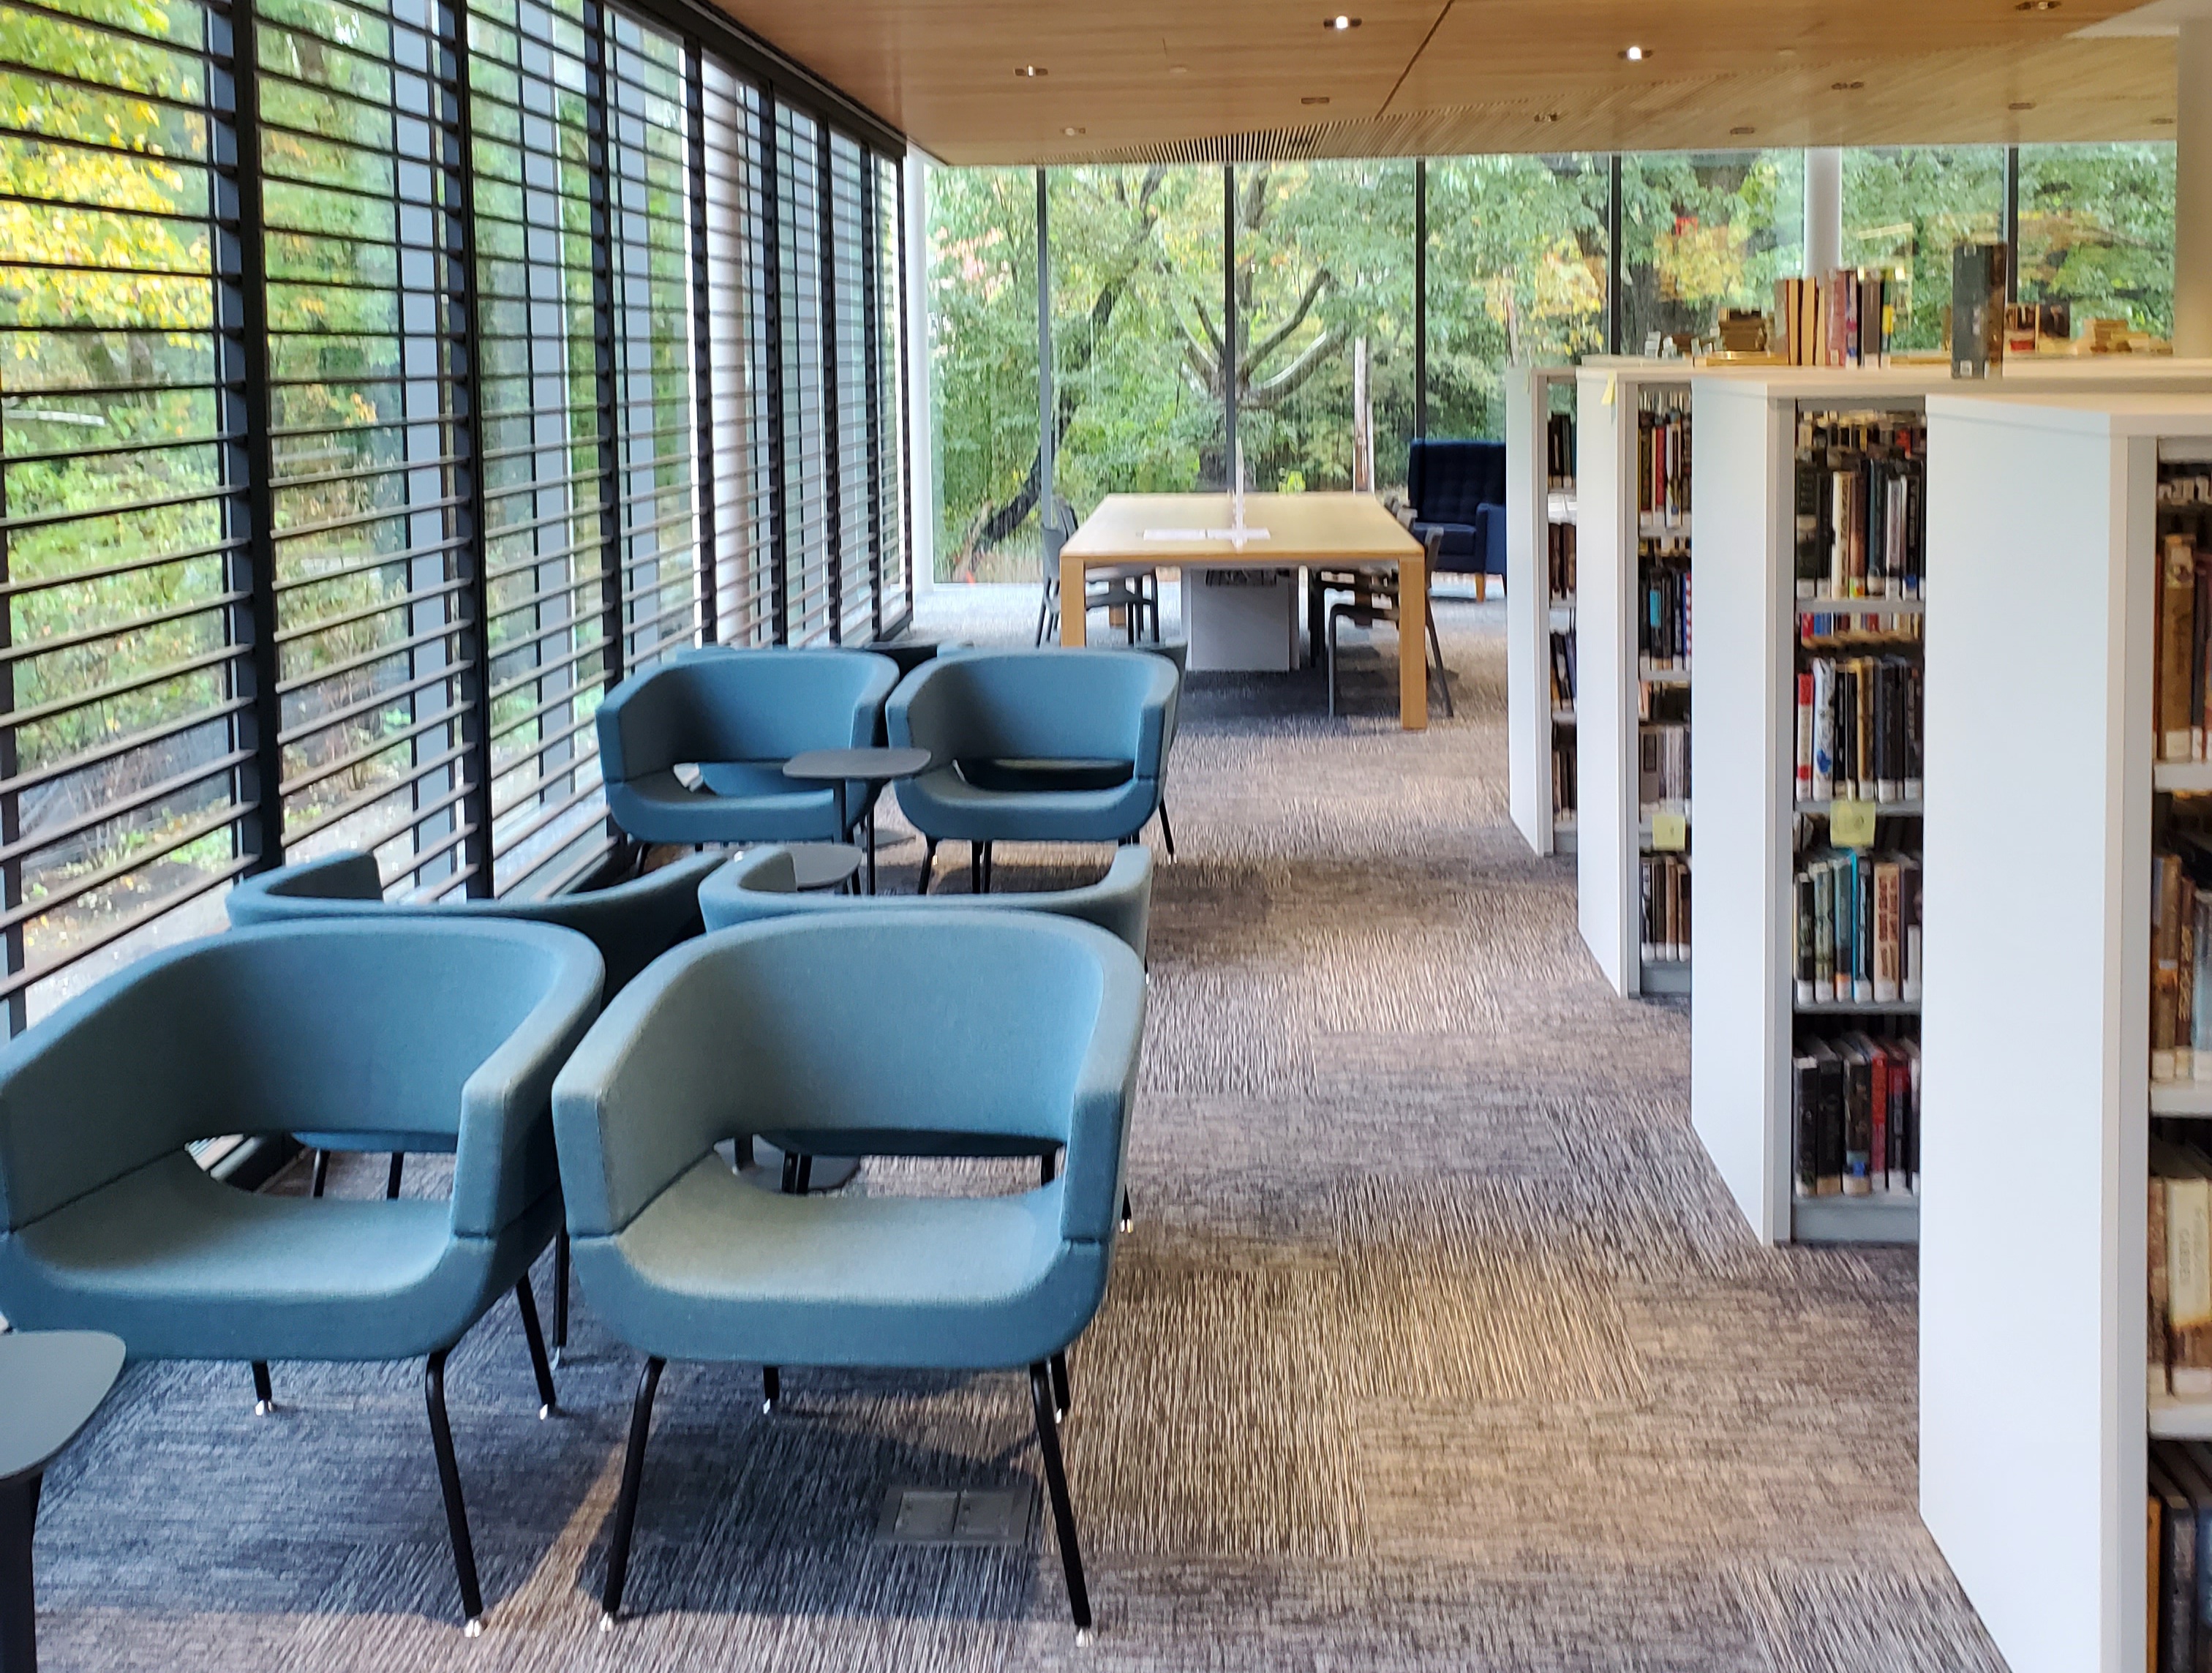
point(983, 371)
point(2096, 230)
point(1704, 231)
point(1905, 207)
point(359, 388)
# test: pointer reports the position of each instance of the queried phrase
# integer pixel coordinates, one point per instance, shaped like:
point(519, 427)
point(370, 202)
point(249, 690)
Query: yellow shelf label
point(1670, 832)
point(1851, 824)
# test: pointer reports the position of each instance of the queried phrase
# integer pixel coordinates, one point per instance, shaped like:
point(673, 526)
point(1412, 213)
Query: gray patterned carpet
point(1436, 1345)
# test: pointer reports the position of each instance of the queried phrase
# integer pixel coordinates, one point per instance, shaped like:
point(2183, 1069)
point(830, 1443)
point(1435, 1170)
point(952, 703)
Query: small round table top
point(822, 865)
point(51, 1383)
point(872, 765)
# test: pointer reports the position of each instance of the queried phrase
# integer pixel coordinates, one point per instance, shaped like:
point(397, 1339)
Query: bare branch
point(1256, 356)
point(1273, 390)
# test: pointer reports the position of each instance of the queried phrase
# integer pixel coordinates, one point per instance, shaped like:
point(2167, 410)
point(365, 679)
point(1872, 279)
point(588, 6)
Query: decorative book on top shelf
point(1861, 551)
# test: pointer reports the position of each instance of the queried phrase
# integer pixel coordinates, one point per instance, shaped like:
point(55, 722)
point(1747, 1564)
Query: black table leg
point(19, 1624)
point(871, 844)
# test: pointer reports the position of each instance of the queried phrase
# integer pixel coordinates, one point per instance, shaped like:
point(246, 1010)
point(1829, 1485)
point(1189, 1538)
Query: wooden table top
point(1302, 528)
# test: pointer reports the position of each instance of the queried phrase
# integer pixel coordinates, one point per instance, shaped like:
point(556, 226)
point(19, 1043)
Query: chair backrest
point(1000, 1023)
point(1034, 704)
point(762, 884)
point(631, 923)
point(1447, 480)
point(361, 1025)
point(724, 704)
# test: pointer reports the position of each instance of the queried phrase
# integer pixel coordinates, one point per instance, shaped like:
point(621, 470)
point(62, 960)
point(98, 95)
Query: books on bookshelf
point(1856, 941)
point(2179, 1251)
point(1563, 773)
point(1563, 670)
point(1855, 1101)
point(1559, 450)
point(2179, 1550)
point(1662, 617)
point(1846, 318)
point(1862, 505)
point(1662, 459)
point(2181, 961)
point(2185, 613)
point(1662, 762)
point(1559, 558)
point(1666, 897)
point(1858, 733)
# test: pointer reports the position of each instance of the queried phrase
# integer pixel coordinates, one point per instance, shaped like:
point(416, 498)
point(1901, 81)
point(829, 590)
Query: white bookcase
point(2034, 1409)
point(1744, 1012)
point(1612, 828)
point(1534, 505)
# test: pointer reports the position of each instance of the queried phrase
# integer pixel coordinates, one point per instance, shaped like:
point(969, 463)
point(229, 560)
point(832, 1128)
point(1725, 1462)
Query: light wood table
point(1336, 530)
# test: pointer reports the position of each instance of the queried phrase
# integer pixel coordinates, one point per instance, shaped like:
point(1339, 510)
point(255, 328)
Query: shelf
point(1884, 605)
point(1855, 1007)
point(1651, 675)
point(1562, 833)
point(1653, 526)
point(1884, 1217)
point(2181, 1098)
point(2181, 1417)
point(1902, 809)
point(2183, 777)
point(1563, 717)
point(1665, 978)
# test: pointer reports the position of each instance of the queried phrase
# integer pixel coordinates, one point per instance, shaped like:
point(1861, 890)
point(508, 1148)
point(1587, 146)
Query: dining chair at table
point(413, 1029)
point(736, 715)
point(842, 1023)
point(1373, 598)
point(631, 923)
point(1033, 746)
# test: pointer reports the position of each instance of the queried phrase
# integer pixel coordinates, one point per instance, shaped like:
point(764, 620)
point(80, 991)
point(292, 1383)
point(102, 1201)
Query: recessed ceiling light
point(2021, 104)
point(1845, 87)
point(1635, 54)
point(1178, 70)
point(1322, 98)
point(1029, 71)
point(1071, 132)
point(2037, 6)
point(1743, 130)
point(1340, 21)
point(2161, 122)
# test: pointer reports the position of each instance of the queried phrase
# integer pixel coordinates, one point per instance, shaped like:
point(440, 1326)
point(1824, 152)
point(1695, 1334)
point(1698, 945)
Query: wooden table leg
point(1074, 620)
point(1413, 643)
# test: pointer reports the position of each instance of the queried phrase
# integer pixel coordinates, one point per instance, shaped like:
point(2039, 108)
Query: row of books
point(2179, 1550)
point(1889, 625)
point(1856, 938)
point(2178, 1250)
point(1663, 456)
point(1662, 749)
point(1855, 1110)
point(1859, 731)
point(1563, 772)
point(2181, 965)
point(1663, 615)
point(1846, 318)
point(1861, 529)
point(1563, 670)
point(1666, 934)
point(1559, 558)
point(1559, 450)
point(2184, 680)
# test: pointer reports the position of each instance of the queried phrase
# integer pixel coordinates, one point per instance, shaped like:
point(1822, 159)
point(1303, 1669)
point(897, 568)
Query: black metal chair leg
point(391, 1176)
point(974, 868)
point(322, 1173)
point(1128, 1219)
point(265, 1397)
point(449, 1478)
point(791, 1173)
point(641, 1424)
point(1167, 830)
point(988, 856)
point(872, 840)
point(1063, 1513)
point(771, 1389)
point(1444, 674)
point(527, 1303)
point(19, 1630)
point(928, 864)
point(561, 1293)
point(1063, 1402)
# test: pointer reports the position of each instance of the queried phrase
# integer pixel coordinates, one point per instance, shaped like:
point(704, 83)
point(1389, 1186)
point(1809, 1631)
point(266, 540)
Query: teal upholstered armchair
point(631, 923)
point(1039, 746)
point(738, 715)
point(840, 1022)
point(403, 1028)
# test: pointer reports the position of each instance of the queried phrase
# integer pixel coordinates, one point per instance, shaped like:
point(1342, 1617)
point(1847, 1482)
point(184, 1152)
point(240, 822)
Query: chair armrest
point(1490, 524)
point(1156, 716)
point(1104, 1097)
point(503, 1160)
point(647, 1093)
point(632, 923)
point(287, 892)
point(761, 883)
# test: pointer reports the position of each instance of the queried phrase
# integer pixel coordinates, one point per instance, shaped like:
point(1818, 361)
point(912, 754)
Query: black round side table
point(874, 766)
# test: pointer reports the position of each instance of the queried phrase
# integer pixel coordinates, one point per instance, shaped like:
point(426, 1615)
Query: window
point(1704, 231)
point(2096, 230)
point(738, 360)
point(1905, 207)
point(806, 462)
point(888, 419)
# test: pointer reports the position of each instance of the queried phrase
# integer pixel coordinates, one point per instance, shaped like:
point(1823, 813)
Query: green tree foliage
point(2096, 230)
point(1701, 232)
point(1905, 207)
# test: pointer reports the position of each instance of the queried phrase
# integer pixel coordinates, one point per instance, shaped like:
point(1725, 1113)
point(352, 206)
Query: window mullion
point(702, 356)
point(461, 241)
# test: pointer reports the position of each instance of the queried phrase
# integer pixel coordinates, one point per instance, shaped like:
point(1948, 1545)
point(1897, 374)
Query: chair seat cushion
point(659, 809)
point(942, 804)
point(905, 1142)
point(1011, 773)
point(714, 1267)
point(182, 1266)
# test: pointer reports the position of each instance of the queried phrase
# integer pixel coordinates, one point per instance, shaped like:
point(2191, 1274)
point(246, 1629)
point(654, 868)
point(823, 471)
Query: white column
point(2192, 190)
point(1824, 210)
point(922, 450)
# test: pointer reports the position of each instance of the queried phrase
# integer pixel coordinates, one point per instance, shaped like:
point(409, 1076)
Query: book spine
point(1908, 914)
point(2166, 965)
point(1878, 1150)
point(1885, 932)
point(1830, 1149)
point(2177, 639)
point(2154, 1342)
point(1863, 733)
point(1805, 1112)
point(1824, 930)
point(1824, 729)
point(1858, 1124)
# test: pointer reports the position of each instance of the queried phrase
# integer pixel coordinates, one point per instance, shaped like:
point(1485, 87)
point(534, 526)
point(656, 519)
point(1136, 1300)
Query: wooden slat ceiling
point(1437, 77)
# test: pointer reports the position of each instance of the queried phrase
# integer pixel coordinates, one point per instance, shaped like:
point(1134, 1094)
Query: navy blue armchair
point(822, 1025)
point(1458, 489)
